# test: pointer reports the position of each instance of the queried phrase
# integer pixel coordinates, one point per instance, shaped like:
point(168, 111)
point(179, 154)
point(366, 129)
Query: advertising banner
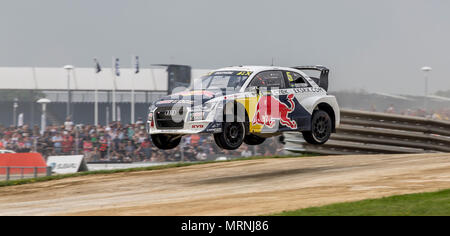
point(67, 164)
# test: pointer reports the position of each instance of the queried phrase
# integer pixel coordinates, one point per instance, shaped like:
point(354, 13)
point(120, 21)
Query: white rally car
point(247, 104)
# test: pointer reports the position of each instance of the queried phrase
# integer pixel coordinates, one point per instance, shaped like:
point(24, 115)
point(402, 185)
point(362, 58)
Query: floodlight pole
point(69, 69)
point(133, 75)
point(15, 106)
point(96, 101)
point(114, 91)
point(43, 102)
point(426, 70)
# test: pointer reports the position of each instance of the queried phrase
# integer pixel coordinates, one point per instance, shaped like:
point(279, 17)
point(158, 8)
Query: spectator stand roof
point(38, 78)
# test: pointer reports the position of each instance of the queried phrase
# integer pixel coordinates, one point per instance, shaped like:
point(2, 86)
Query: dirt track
point(234, 188)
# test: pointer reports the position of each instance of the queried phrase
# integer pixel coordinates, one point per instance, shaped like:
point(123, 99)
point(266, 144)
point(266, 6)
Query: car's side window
point(268, 79)
point(295, 80)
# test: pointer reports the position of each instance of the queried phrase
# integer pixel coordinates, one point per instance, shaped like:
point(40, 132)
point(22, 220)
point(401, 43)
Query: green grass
point(103, 172)
point(419, 204)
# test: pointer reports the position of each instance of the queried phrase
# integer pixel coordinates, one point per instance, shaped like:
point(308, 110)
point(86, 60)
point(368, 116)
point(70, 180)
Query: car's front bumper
point(194, 121)
point(190, 127)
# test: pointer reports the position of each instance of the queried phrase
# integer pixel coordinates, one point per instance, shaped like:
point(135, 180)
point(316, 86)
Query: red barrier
point(22, 160)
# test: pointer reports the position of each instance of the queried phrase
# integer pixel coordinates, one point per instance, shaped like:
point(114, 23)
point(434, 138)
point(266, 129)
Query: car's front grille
point(170, 117)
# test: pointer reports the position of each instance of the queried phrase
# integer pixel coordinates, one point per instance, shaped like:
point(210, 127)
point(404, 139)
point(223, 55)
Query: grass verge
point(103, 172)
point(419, 204)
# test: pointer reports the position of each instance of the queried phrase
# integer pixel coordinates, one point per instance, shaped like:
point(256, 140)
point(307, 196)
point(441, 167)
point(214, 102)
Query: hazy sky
point(377, 45)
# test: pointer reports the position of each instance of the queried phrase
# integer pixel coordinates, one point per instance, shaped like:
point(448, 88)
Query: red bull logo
point(270, 109)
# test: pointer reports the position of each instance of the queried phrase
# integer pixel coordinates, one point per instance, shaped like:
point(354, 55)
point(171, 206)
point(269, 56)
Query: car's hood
point(187, 98)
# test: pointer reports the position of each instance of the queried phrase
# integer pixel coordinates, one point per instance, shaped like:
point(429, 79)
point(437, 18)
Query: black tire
point(165, 142)
point(252, 139)
point(232, 135)
point(321, 127)
point(216, 139)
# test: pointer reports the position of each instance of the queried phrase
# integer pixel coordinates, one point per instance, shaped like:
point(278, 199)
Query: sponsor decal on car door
point(270, 110)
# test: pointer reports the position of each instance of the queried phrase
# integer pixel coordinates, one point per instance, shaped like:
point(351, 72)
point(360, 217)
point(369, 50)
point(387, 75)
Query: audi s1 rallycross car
point(247, 104)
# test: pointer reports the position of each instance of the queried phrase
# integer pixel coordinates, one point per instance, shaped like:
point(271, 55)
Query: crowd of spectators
point(119, 143)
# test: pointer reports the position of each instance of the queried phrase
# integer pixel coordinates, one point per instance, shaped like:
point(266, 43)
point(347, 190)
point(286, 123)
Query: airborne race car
point(247, 104)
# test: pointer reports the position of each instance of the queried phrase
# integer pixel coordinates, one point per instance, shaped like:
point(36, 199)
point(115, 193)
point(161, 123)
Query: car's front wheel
point(165, 142)
point(232, 135)
point(321, 127)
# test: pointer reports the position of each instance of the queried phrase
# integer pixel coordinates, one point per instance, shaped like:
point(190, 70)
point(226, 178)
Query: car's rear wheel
point(252, 139)
point(232, 135)
point(165, 142)
point(321, 127)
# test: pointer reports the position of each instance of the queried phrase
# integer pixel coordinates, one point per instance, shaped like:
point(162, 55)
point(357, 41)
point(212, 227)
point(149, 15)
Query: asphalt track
point(252, 187)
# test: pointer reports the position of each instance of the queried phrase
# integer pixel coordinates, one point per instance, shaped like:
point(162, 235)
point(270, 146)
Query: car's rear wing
point(323, 80)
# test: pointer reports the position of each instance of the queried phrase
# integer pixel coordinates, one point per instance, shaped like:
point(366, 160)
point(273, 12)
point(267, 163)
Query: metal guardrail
point(376, 133)
point(8, 173)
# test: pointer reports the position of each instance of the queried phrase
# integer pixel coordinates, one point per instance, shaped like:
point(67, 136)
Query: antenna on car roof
point(272, 62)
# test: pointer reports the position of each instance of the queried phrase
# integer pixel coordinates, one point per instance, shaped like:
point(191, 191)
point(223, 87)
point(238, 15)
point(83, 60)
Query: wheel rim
point(234, 134)
point(321, 127)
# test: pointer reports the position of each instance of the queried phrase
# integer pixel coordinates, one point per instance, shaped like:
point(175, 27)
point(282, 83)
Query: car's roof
point(253, 68)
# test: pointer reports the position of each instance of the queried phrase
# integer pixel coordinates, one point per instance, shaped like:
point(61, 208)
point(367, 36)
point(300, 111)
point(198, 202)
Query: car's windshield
point(222, 80)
